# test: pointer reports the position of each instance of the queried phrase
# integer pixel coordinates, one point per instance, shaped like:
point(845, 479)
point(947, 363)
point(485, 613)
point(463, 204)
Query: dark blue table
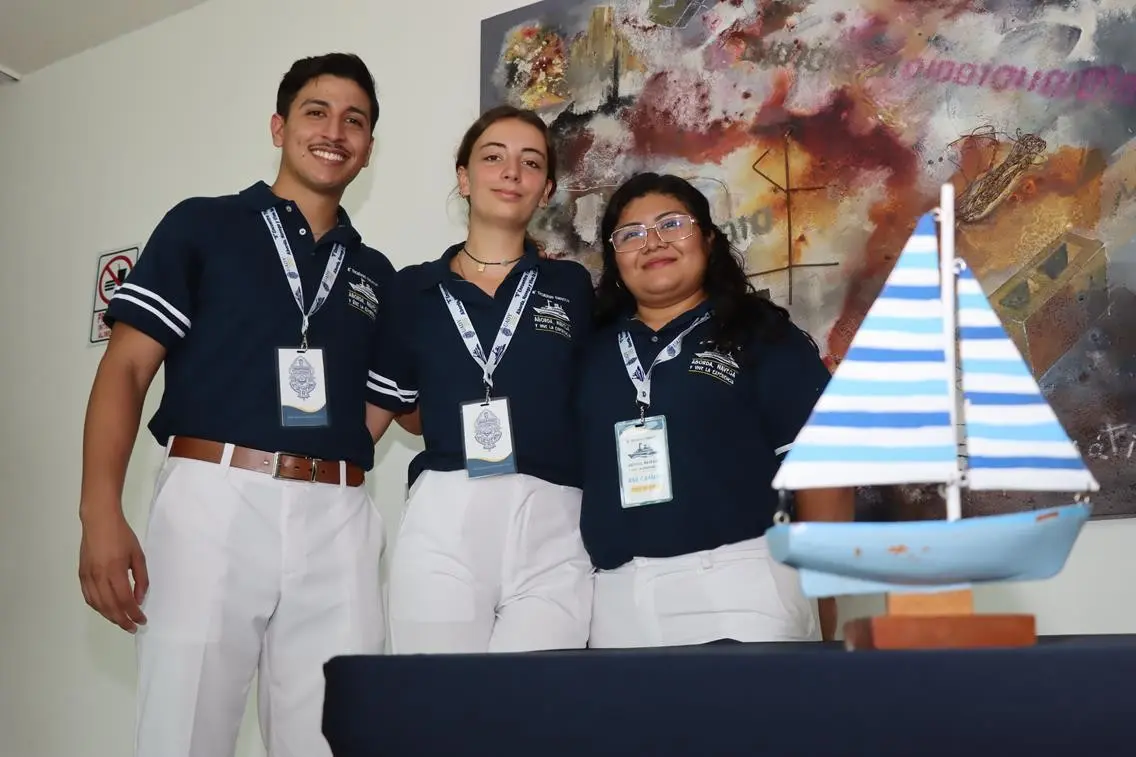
point(1072, 696)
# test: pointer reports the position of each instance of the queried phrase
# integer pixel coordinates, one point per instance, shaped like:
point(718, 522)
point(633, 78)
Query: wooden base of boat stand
point(942, 620)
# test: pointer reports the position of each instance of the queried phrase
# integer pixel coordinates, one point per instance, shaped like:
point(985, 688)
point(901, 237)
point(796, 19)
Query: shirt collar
point(260, 197)
point(631, 320)
point(438, 270)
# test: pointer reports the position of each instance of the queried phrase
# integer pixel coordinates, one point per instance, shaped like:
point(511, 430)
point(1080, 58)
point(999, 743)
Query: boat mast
point(949, 293)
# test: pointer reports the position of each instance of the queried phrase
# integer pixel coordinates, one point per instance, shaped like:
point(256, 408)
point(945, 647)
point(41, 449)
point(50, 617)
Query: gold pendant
point(481, 267)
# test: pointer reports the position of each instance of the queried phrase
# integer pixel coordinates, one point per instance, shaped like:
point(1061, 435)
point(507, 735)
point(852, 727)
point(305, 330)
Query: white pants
point(737, 591)
point(489, 565)
point(248, 572)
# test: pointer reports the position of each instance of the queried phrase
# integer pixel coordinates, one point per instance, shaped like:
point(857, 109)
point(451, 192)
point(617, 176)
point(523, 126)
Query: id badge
point(644, 461)
point(303, 388)
point(487, 434)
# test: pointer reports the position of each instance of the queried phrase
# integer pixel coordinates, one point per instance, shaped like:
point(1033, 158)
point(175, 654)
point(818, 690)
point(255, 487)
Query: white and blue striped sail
point(885, 416)
point(1014, 439)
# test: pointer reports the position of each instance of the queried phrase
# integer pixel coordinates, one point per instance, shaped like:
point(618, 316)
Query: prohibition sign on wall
point(112, 270)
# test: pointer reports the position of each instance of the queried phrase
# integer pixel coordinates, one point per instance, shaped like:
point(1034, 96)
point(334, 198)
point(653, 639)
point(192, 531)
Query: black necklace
point(482, 263)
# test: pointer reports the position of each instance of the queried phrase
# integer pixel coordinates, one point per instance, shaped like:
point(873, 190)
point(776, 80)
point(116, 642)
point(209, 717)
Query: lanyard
point(288, 261)
point(642, 379)
point(504, 334)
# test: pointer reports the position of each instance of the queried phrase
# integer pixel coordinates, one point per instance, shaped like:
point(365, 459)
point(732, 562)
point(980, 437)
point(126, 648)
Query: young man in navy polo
point(263, 546)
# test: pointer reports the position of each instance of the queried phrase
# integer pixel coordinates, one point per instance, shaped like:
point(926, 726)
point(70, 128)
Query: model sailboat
point(891, 415)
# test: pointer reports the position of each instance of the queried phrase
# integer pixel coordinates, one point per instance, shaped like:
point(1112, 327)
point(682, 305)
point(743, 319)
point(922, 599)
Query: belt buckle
point(315, 461)
point(275, 465)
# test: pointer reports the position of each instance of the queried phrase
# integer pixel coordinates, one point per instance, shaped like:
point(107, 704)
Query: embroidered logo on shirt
point(361, 294)
point(718, 365)
point(551, 317)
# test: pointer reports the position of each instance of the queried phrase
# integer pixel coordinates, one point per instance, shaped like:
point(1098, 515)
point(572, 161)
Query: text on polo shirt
point(550, 316)
point(718, 365)
point(361, 293)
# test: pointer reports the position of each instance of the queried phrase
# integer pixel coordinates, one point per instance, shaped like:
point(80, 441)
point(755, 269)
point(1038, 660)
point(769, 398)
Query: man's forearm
point(114, 412)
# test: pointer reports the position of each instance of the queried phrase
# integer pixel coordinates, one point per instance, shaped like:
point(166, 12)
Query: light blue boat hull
point(835, 559)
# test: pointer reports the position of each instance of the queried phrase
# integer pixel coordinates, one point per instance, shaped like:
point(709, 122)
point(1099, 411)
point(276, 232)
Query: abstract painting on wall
point(822, 129)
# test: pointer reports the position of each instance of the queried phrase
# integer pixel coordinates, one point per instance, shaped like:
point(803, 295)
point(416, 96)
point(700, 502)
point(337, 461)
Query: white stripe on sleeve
point(384, 385)
point(154, 303)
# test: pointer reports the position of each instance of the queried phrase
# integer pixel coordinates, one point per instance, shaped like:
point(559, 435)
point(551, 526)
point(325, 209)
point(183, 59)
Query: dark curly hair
point(340, 65)
point(740, 313)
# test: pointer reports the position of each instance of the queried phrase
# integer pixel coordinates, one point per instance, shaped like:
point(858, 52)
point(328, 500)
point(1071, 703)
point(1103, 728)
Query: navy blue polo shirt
point(730, 419)
point(422, 360)
point(210, 288)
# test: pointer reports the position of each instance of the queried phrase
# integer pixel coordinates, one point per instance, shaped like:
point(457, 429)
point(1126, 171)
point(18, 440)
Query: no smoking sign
point(112, 270)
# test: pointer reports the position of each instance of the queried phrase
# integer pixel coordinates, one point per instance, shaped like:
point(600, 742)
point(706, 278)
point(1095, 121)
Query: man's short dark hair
point(342, 65)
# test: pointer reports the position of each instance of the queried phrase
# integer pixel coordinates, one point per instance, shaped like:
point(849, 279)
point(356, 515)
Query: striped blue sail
point(1014, 439)
point(885, 416)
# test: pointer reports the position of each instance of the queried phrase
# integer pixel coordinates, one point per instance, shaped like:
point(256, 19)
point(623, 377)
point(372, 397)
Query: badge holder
point(302, 387)
point(301, 379)
point(644, 460)
point(487, 437)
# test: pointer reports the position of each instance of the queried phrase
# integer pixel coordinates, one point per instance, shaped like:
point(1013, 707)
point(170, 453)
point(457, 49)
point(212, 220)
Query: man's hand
point(109, 551)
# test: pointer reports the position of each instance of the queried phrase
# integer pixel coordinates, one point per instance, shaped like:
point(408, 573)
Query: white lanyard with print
point(504, 334)
point(486, 426)
point(641, 445)
point(302, 383)
point(288, 261)
point(642, 379)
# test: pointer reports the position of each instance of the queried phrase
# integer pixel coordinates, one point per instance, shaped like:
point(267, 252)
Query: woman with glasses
point(692, 389)
point(484, 341)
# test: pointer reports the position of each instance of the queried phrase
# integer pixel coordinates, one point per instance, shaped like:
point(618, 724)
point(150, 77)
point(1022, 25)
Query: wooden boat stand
point(938, 620)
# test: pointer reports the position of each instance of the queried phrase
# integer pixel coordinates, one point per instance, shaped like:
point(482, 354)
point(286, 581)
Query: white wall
point(92, 152)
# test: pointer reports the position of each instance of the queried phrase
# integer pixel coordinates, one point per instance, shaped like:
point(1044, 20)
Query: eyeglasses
point(633, 236)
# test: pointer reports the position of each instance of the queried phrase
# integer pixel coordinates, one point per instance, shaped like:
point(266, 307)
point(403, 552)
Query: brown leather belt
point(277, 464)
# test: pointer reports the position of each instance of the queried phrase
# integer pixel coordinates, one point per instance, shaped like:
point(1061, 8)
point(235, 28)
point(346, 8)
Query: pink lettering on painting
point(1003, 77)
point(1092, 80)
point(1054, 83)
point(1125, 90)
point(965, 74)
point(1094, 83)
point(941, 70)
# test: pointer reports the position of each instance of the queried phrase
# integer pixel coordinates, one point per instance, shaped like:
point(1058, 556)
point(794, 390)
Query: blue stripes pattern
point(875, 355)
point(885, 416)
point(1014, 439)
point(900, 292)
point(879, 420)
